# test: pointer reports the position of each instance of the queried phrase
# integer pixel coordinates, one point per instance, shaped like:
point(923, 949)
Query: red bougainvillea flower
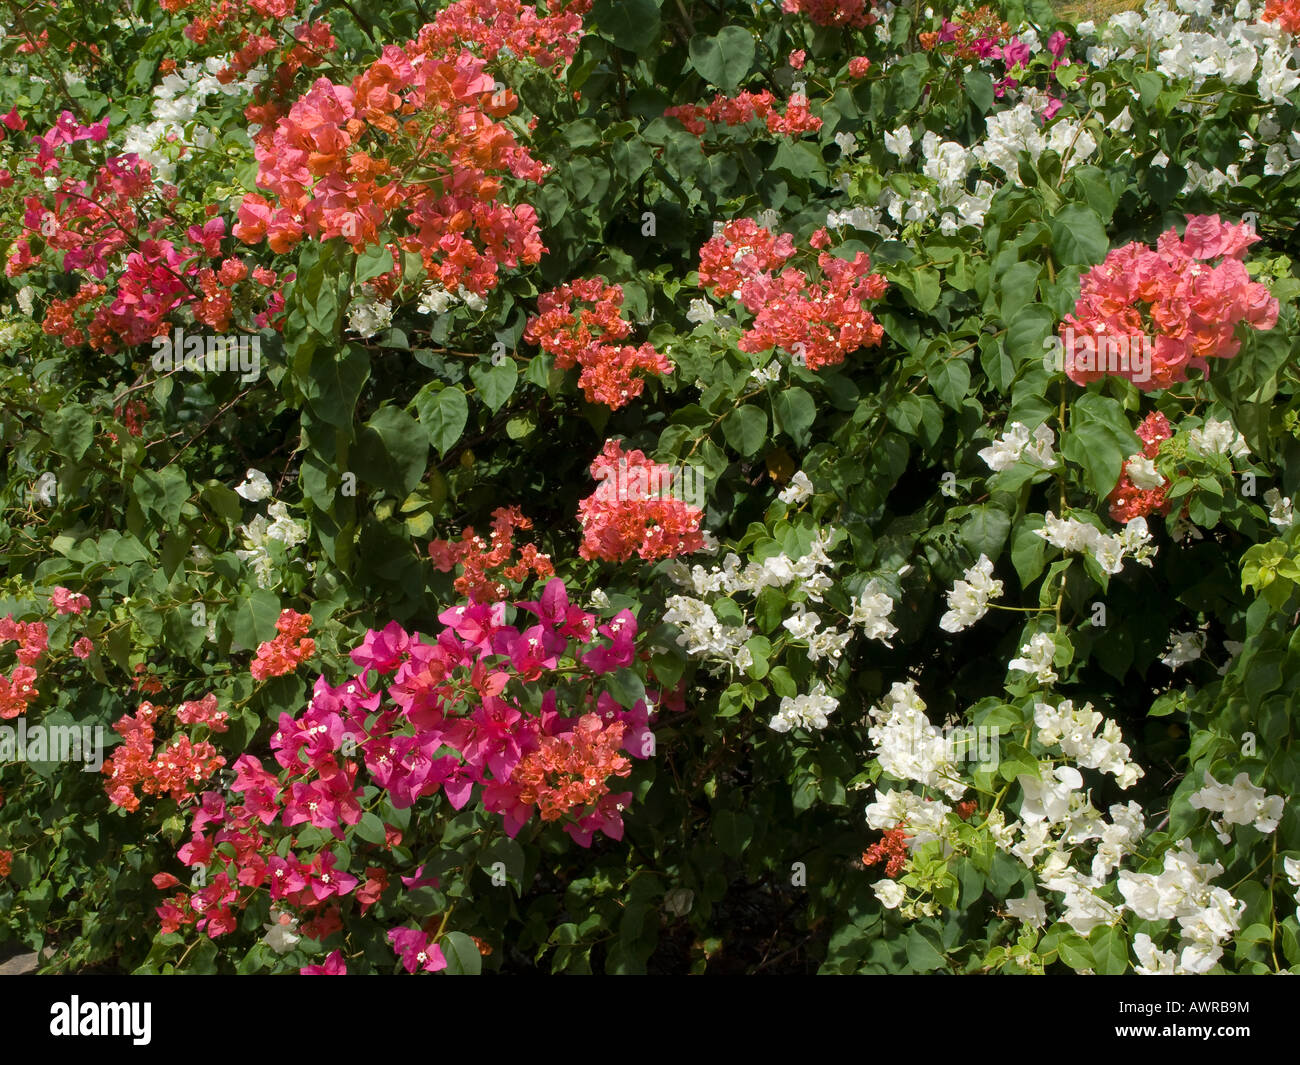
point(855, 13)
point(415, 950)
point(476, 557)
point(284, 653)
point(819, 322)
point(891, 849)
point(633, 511)
point(748, 107)
point(66, 602)
point(332, 966)
point(1141, 490)
point(589, 338)
point(1286, 13)
point(1150, 314)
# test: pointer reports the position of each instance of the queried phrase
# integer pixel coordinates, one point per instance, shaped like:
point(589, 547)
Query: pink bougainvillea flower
point(416, 951)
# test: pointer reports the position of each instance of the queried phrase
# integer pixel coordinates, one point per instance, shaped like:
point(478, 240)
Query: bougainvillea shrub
point(625, 486)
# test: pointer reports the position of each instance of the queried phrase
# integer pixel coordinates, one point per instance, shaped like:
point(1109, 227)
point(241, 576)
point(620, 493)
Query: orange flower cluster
point(414, 139)
point(571, 771)
point(746, 107)
point(291, 647)
point(132, 765)
point(633, 511)
point(892, 850)
point(476, 557)
point(1127, 500)
point(589, 339)
point(1284, 12)
point(974, 34)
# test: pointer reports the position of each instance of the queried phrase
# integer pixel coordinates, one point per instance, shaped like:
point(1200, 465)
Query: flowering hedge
point(628, 486)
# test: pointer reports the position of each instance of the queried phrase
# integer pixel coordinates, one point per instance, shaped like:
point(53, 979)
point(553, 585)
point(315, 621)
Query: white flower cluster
point(1017, 130)
point(259, 532)
point(799, 490)
point(809, 710)
point(1016, 445)
point(1109, 551)
point(368, 315)
point(1184, 647)
point(1074, 729)
point(1206, 915)
point(1217, 438)
point(1237, 48)
point(1238, 803)
point(908, 747)
point(777, 571)
point(969, 599)
point(867, 219)
point(177, 100)
point(703, 635)
point(1280, 511)
point(434, 299)
point(1036, 657)
point(946, 164)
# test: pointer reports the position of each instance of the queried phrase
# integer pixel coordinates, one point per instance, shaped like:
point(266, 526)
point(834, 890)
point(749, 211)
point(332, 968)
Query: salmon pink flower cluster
point(422, 716)
point(288, 650)
point(490, 26)
point(571, 770)
point(589, 338)
point(416, 136)
point(67, 602)
point(477, 557)
point(890, 849)
point(175, 769)
point(748, 107)
point(18, 689)
point(1187, 293)
point(1141, 489)
point(848, 13)
point(633, 512)
point(819, 322)
point(1286, 13)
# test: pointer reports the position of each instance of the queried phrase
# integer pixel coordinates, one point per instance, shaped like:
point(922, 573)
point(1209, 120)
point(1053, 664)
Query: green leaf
point(254, 619)
point(72, 429)
point(333, 385)
point(461, 952)
point(924, 952)
point(1078, 236)
point(392, 451)
point(630, 24)
point(986, 530)
point(733, 831)
point(494, 383)
point(372, 262)
point(745, 429)
point(162, 493)
point(443, 414)
point(794, 412)
point(723, 60)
